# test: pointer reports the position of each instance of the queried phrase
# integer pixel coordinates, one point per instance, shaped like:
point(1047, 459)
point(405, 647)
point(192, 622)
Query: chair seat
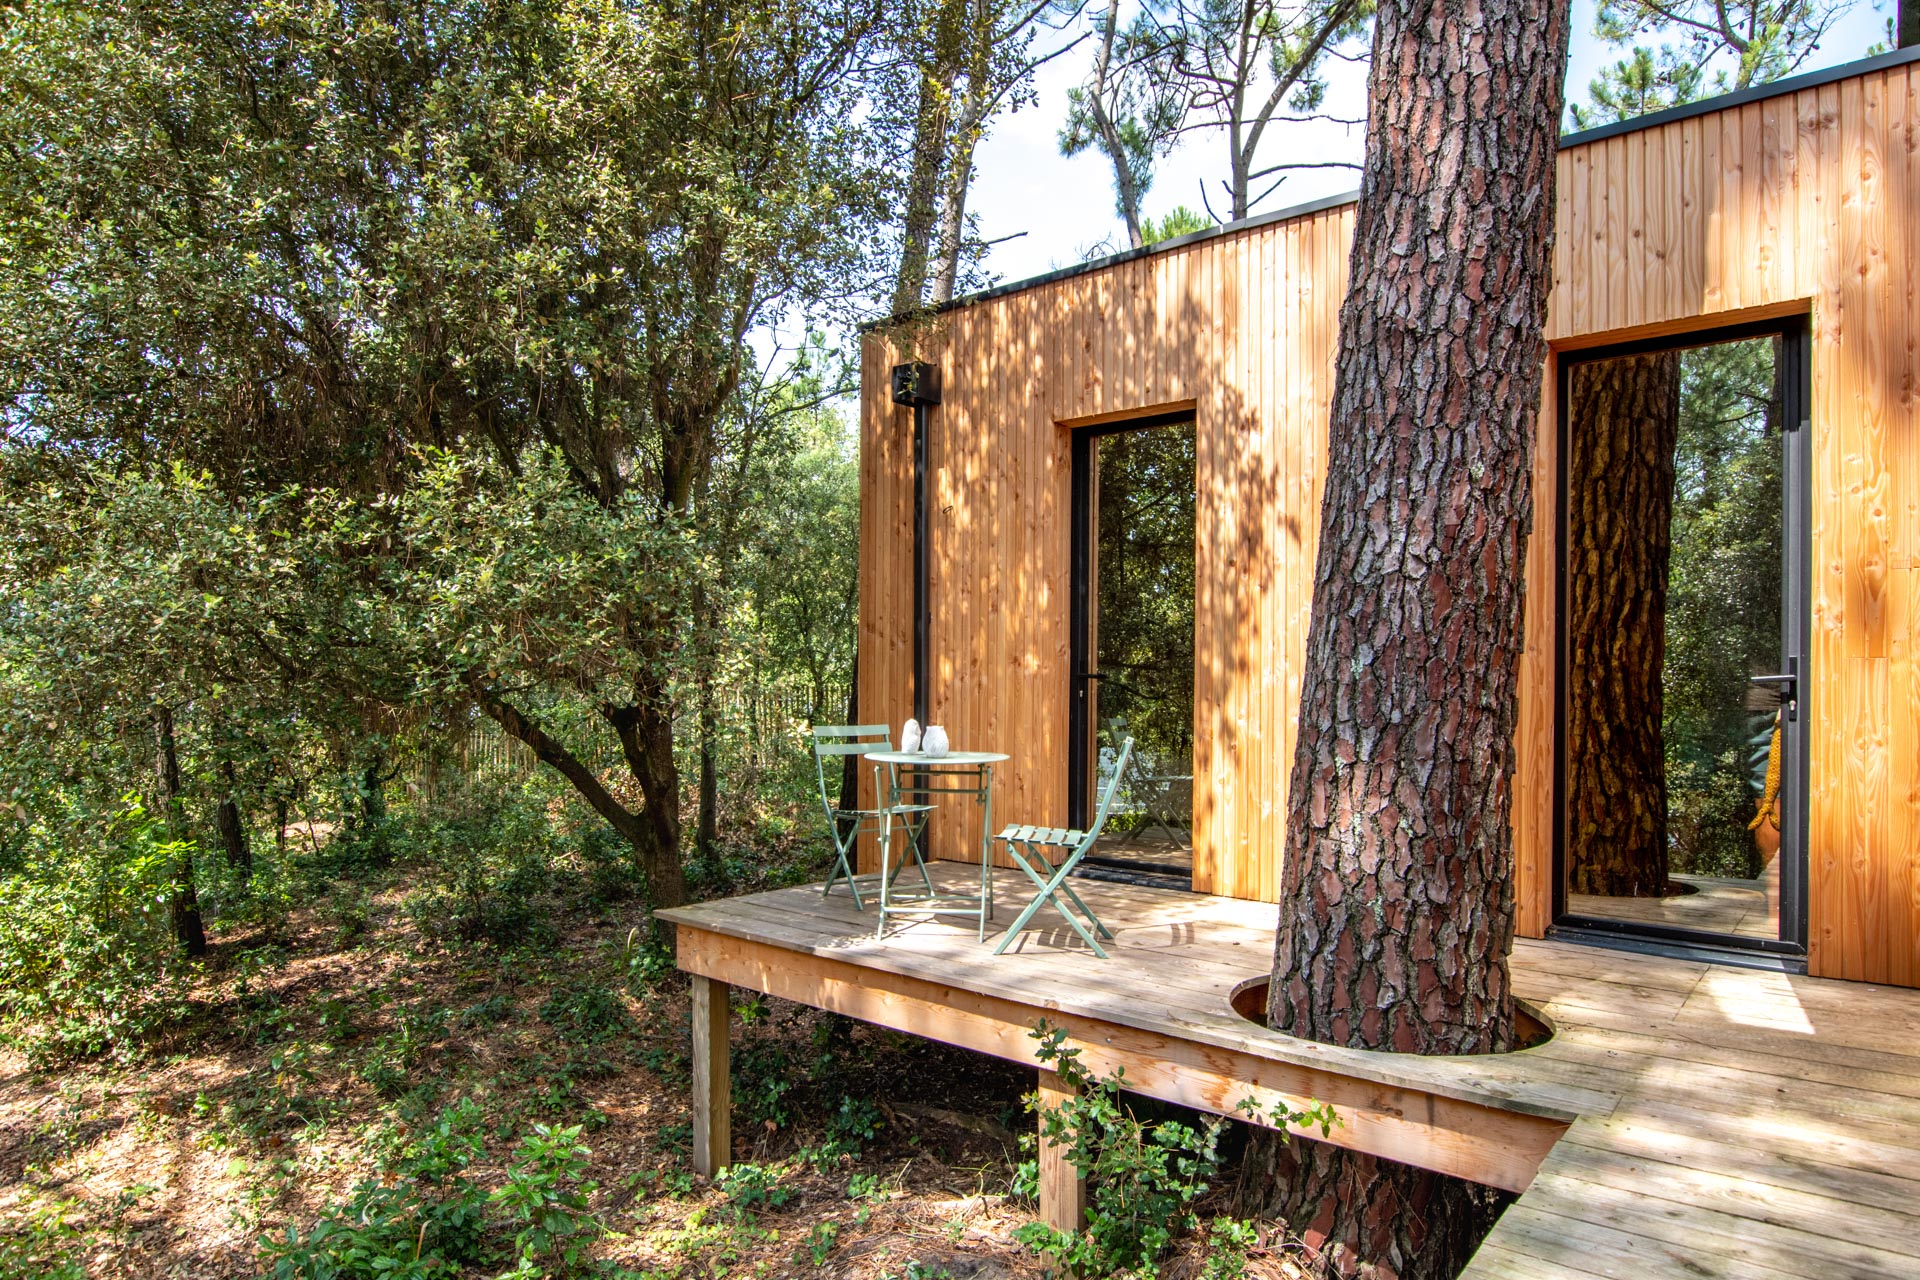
point(1043, 835)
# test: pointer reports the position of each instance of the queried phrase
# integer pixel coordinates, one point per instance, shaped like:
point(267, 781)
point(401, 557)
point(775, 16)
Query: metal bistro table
point(957, 773)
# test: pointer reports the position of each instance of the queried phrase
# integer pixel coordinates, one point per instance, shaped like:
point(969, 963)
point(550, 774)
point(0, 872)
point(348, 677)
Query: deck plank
point(1725, 1122)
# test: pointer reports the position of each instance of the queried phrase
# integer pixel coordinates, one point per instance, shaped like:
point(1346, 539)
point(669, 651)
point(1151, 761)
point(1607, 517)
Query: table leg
point(986, 850)
point(886, 849)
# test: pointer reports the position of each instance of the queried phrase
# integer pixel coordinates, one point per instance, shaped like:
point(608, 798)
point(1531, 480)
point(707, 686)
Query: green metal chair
point(834, 742)
point(1032, 840)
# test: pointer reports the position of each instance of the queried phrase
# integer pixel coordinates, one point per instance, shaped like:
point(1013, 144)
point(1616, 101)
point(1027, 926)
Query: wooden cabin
point(1785, 218)
point(1093, 518)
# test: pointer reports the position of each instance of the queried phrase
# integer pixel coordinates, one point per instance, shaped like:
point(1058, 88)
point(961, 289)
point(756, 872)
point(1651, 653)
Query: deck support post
point(712, 1081)
point(1063, 1191)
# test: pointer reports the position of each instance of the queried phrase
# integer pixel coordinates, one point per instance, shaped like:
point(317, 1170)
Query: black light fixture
point(918, 385)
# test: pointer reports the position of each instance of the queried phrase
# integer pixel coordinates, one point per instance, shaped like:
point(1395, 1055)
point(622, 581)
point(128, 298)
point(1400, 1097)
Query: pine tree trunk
point(1623, 416)
point(184, 909)
point(1397, 898)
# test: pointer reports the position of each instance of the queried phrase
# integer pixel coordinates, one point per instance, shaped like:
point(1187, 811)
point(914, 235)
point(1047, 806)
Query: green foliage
point(545, 1196)
point(489, 858)
point(41, 1244)
point(586, 1014)
point(821, 1239)
point(1228, 1243)
point(1178, 221)
point(750, 1187)
point(1143, 1180)
point(425, 1218)
point(86, 961)
point(1706, 46)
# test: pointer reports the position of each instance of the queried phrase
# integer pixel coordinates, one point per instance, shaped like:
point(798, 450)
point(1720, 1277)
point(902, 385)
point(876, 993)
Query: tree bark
point(933, 117)
point(1126, 190)
point(184, 908)
point(666, 886)
point(707, 834)
point(1907, 24)
point(1623, 418)
point(1397, 898)
point(233, 831)
point(953, 197)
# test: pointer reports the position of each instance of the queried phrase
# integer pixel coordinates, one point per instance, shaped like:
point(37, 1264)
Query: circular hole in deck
point(1531, 1028)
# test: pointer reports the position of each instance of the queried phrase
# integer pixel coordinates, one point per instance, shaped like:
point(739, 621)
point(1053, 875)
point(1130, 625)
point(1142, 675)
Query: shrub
point(586, 1014)
point(424, 1219)
point(496, 856)
point(545, 1195)
point(1142, 1180)
point(87, 964)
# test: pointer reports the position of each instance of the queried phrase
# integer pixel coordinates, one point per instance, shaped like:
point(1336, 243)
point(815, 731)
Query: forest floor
point(312, 1048)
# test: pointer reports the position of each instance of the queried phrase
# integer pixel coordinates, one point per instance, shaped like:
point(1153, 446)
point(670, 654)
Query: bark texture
point(1397, 900)
point(231, 826)
point(184, 908)
point(1436, 1221)
point(1623, 416)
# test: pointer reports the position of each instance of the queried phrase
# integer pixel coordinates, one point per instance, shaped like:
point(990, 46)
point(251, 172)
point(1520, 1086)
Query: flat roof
point(1705, 106)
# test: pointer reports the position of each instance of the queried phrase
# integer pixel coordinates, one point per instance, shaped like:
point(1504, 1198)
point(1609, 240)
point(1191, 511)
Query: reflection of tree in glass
point(1144, 597)
point(1723, 600)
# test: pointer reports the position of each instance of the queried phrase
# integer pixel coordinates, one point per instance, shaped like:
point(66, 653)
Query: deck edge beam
point(1484, 1144)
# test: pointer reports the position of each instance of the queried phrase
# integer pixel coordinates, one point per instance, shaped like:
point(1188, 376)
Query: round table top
point(925, 761)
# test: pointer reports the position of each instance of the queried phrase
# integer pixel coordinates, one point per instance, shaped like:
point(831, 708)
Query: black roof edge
point(1672, 115)
point(1115, 259)
point(1741, 97)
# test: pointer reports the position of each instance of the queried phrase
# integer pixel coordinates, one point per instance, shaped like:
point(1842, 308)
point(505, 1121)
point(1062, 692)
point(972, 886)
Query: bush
point(424, 1218)
point(1142, 1180)
point(497, 856)
point(87, 962)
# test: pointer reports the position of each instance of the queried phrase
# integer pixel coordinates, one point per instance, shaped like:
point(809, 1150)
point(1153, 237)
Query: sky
point(1061, 210)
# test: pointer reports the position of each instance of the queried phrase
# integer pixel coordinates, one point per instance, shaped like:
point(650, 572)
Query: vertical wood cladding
point(1808, 202)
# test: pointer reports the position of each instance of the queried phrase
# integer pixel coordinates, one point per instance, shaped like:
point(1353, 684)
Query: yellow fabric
point(1770, 801)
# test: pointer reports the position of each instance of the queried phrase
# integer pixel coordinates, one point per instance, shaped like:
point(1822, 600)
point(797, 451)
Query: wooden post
point(712, 1081)
point(1063, 1192)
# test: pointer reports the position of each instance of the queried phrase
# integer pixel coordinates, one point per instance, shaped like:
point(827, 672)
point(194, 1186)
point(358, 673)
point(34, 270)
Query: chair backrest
point(833, 741)
point(1112, 790)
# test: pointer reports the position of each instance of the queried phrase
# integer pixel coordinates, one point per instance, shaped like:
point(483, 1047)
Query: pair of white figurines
point(931, 741)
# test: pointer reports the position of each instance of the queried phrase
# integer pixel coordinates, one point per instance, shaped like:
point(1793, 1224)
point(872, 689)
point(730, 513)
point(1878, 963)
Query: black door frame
point(1794, 373)
point(1080, 656)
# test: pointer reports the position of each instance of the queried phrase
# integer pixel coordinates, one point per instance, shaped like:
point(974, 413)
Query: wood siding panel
point(1799, 202)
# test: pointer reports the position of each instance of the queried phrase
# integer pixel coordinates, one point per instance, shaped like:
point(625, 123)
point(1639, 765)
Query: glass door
point(1134, 510)
point(1683, 616)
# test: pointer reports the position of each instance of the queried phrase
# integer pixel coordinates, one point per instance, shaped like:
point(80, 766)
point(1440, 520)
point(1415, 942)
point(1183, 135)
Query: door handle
point(1789, 682)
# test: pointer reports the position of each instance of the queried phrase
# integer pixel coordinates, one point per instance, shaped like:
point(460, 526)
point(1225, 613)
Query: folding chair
point(1077, 843)
point(846, 826)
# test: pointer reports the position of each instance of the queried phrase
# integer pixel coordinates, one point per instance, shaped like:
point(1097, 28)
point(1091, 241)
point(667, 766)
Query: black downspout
point(919, 385)
point(922, 613)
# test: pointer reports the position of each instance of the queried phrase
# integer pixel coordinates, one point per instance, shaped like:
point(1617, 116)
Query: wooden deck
point(1685, 1119)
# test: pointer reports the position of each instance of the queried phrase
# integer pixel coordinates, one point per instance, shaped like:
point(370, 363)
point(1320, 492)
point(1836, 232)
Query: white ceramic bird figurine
point(910, 736)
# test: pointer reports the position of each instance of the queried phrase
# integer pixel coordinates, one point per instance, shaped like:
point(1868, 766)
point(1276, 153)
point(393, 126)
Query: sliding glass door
point(1683, 633)
point(1134, 508)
